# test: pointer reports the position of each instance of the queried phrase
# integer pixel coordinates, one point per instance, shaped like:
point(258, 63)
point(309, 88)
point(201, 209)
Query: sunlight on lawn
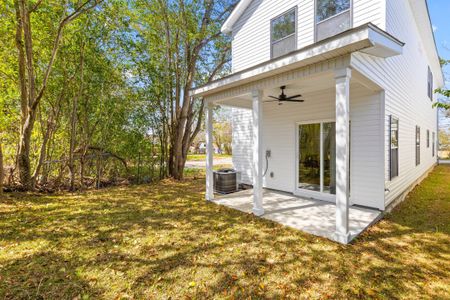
point(164, 240)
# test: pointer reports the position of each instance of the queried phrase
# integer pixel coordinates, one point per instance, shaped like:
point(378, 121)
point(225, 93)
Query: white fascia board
point(383, 47)
point(365, 37)
point(237, 12)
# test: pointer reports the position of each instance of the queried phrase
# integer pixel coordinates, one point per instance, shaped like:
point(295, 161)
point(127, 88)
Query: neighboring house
point(366, 132)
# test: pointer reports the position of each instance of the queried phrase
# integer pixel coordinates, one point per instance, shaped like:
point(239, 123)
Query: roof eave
point(237, 12)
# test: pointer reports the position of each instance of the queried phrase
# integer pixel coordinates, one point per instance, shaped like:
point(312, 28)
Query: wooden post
point(342, 78)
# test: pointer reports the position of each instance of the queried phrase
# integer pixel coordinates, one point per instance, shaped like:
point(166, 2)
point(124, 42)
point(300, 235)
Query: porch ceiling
point(308, 87)
point(367, 38)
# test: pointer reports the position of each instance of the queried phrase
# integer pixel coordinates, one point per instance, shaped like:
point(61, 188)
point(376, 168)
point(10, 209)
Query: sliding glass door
point(309, 157)
point(317, 157)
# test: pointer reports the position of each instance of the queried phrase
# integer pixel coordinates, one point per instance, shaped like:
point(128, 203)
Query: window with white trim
point(332, 17)
point(283, 33)
point(393, 153)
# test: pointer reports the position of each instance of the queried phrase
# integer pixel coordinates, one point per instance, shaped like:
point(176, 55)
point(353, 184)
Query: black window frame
point(430, 84)
point(417, 145)
point(428, 138)
point(393, 150)
point(295, 34)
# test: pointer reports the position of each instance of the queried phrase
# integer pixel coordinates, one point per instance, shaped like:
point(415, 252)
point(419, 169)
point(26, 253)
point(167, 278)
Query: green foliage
point(443, 103)
point(133, 74)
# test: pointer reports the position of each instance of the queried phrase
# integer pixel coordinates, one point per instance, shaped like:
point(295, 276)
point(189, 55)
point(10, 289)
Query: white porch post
point(258, 209)
point(342, 77)
point(209, 152)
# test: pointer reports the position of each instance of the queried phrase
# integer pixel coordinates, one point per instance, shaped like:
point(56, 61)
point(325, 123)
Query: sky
point(440, 18)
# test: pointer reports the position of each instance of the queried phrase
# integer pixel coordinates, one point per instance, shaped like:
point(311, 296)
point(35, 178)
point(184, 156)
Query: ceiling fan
point(284, 98)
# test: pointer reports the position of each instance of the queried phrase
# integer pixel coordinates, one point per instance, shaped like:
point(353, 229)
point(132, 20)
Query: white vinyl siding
point(373, 11)
point(279, 136)
point(404, 79)
point(242, 143)
point(251, 33)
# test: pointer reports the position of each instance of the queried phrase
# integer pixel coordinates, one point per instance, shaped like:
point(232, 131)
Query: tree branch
point(81, 9)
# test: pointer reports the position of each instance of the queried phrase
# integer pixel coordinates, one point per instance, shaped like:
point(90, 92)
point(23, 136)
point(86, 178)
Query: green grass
point(163, 240)
point(202, 157)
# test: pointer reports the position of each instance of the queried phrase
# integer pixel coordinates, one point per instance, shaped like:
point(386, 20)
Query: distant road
point(201, 164)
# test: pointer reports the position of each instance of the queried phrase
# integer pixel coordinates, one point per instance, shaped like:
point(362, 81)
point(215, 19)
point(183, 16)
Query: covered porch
point(325, 75)
point(309, 215)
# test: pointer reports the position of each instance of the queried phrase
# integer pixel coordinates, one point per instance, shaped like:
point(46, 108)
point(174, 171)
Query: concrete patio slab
point(309, 215)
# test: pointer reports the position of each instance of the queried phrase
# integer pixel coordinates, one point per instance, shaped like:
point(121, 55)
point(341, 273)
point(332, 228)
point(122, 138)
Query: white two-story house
point(334, 100)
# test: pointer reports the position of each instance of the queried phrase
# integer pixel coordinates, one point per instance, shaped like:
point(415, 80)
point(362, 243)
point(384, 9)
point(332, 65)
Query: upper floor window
point(332, 17)
point(430, 84)
point(428, 139)
point(283, 33)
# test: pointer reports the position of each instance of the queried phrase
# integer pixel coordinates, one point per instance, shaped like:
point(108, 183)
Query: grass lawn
point(202, 157)
point(163, 240)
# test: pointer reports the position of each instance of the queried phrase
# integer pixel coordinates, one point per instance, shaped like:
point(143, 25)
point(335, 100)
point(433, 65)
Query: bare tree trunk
point(29, 94)
point(23, 158)
point(82, 165)
point(43, 151)
point(71, 163)
point(73, 123)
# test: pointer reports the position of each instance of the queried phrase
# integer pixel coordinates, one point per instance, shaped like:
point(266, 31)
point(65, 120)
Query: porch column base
point(258, 211)
point(343, 238)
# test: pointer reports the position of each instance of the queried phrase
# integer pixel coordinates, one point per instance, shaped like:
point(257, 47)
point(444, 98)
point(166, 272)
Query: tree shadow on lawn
point(44, 275)
point(165, 241)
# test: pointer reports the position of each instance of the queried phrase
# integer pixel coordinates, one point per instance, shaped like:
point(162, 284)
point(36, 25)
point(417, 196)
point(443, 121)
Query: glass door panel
point(329, 158)
point(309, 157)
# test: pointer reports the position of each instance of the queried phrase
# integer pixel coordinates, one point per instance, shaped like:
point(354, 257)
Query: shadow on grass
point(164, 240)
point(44, 275)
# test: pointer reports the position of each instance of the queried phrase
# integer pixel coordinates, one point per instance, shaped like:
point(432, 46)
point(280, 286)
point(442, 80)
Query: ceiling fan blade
point(273, 97)
point(272, 101)
point(293, 100)
point(292, 97)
